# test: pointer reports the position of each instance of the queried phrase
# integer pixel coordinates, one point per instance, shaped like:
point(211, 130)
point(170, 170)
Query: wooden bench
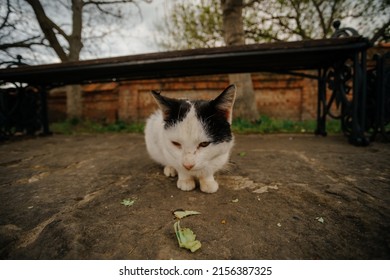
point(339, 63)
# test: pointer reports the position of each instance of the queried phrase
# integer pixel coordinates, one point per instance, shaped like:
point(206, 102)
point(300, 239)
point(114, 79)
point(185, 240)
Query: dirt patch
point(281, 197)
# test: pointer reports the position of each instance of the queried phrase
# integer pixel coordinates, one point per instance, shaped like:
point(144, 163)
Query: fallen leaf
point(186, 238)
point(320, 219)
point(128, 202)
point(264, 189)
point(180, 214)
point(242, 154)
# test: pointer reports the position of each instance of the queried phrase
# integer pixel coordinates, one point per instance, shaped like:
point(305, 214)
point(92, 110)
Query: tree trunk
point(52, 31)
point(245, 106)
point(74, 109)
point(74, 98)
point(75, 44)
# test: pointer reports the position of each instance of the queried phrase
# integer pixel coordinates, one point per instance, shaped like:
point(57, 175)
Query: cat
point(192, 139)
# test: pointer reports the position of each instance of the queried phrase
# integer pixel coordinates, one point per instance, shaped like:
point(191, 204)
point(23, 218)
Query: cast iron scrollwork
point(378, 98)
point(346, 81)
point(20, 107)
point(19, 111)
point(339, 106)
point(343, 32)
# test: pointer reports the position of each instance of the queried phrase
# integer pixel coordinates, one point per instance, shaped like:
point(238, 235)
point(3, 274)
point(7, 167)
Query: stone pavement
point(281, 197)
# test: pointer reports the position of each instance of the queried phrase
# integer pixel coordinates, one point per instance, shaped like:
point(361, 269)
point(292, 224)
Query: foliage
point(194, 24)
point(76, 126)
point(239, 126)
point(284, 20)
point(272, 125)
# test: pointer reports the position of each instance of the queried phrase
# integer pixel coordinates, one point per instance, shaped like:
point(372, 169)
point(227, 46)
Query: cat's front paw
point(186, 184)
point(170, 171)
point(208, 185)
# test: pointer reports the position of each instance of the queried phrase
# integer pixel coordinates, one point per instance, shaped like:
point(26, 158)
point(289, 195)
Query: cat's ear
point(225, 101)
point(165, 103)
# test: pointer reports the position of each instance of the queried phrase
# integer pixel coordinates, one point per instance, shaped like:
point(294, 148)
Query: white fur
point(189, 133)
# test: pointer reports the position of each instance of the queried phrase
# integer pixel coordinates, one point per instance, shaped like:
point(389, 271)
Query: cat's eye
point(176, 144)
point(204, 144)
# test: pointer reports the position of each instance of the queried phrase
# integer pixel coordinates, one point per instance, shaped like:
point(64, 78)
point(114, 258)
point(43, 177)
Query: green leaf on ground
point(186, 238)
point(128, 202)
point(180, 214)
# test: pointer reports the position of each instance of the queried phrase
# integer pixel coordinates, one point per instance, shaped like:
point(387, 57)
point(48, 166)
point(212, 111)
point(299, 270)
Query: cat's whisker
point(178, 114)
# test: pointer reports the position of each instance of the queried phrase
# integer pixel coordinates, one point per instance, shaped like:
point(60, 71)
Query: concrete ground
point(281, 197)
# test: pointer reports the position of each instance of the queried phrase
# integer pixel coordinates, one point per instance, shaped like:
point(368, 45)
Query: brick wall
point(280, 96)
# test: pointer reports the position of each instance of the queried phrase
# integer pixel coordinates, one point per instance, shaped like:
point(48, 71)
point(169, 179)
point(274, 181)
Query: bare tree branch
point(320, 14)
point(5, 19)
point(27, 43)
point(300, 30)
point(332, 17)
point(100, 4)
point(47, 26)
point(380, 33)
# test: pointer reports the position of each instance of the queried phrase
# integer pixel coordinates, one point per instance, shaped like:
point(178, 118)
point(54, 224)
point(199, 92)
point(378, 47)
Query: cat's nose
point(188, 166)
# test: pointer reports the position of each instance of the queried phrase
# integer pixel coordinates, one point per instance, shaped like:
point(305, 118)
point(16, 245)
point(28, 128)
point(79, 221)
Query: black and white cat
point(192, 139)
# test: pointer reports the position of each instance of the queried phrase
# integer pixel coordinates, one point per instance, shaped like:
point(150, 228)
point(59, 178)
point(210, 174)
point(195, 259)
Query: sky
point(140, 36)
point(137, 33)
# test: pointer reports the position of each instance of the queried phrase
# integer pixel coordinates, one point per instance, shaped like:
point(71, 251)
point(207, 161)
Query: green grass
point(272, 125)
point(75, 126)
point(239, 126)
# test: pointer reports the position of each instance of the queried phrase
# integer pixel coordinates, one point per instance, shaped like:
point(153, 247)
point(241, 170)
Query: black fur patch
point(178, 110)
point(215, 123)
